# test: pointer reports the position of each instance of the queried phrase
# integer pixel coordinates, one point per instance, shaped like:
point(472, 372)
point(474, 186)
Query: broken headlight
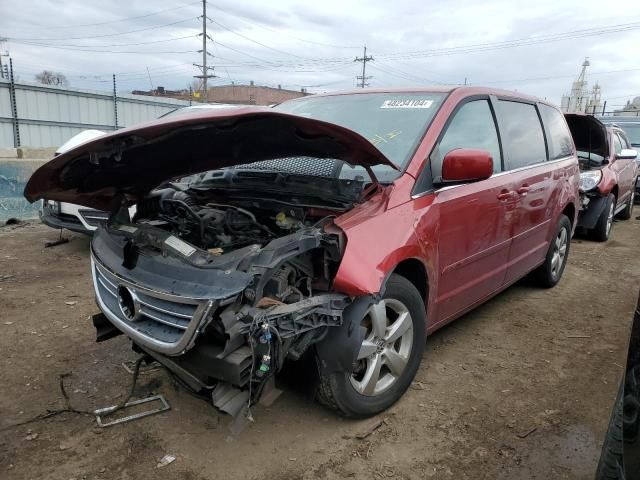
point(590, 180)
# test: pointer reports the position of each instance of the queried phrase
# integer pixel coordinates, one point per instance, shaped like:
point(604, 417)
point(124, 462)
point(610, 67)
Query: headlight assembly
point(590, 180)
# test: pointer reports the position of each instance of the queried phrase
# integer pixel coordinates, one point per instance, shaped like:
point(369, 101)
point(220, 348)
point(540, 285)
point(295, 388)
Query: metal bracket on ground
point(101, 412)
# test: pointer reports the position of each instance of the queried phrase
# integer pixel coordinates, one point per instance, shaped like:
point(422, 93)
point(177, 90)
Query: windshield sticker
point(377, 139)
point(407, 104)
point(182, 247)
point(127, 228)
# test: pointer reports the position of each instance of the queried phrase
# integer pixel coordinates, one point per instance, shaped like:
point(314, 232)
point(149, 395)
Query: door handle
point(505, 195)
point(523, 190)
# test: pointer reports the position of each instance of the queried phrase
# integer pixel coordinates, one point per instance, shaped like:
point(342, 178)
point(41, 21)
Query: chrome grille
point(163, 322)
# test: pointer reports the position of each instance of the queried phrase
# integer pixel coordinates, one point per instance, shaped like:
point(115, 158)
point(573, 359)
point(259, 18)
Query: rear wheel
point(628, 209)
point(388, 358)
point(549, 273)
point(602, 230)
point(610, 466)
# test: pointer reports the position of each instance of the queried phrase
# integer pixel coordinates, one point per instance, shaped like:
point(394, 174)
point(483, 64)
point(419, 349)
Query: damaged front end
point(226, 271)
point(224, 310)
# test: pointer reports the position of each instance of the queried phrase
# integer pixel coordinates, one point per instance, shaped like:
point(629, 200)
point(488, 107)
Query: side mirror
point(466, 165)
point(627, 154)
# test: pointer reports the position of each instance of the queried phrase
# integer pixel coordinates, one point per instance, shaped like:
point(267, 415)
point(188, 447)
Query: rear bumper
point(58, 221)
point(72, 217)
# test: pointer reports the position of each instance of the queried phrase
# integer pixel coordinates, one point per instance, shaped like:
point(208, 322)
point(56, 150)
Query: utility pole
point(14, 106)
point(204, 68)
point(115, 104)
point(4, 71)
point(364, 59)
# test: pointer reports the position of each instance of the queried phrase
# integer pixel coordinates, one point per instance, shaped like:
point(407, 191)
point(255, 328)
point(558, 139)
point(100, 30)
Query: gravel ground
point(519, 388)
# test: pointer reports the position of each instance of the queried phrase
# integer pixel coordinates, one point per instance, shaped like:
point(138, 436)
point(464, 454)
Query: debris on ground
point(71, 303)
point(527, 433)
point(129, 367)
point(55, 243)
point(371, 427)
point(166, 460)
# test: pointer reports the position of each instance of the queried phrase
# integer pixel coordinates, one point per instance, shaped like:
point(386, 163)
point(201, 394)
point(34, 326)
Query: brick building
point(252, 94)
point(243, 94)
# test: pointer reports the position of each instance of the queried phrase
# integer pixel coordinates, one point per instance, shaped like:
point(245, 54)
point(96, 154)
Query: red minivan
point(341, 228)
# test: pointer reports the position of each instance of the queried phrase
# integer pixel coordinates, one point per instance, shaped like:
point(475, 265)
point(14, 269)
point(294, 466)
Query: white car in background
point(69, 215)
point(86, 220)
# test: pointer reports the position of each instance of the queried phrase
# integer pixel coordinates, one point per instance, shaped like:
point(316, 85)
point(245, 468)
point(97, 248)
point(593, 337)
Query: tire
point(628, 209)
point(349, 393)
point(602, 230)
point(610, 466)
point(550, 272)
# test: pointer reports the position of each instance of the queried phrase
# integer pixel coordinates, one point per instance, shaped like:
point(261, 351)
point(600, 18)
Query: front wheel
point(628, 209)
point(602, 230)
point(394, 335)
point(549, 273)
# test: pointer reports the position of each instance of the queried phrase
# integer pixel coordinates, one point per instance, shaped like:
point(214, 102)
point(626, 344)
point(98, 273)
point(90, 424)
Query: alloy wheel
point(559, 252)
point(386, 347)
point(610, 217)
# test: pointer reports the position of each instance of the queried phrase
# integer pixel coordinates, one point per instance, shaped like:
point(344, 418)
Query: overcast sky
point(313, 45)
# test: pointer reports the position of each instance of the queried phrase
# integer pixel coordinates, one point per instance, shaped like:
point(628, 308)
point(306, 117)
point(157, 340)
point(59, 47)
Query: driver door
point(475, 219)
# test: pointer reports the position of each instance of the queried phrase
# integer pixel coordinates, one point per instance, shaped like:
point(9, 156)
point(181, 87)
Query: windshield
point(393, 122)
point(633, 132)
point(631, 128)
point(589, 160)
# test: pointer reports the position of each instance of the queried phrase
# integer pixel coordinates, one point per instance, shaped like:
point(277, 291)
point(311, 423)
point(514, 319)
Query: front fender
point(377, 239)
point(338, 351)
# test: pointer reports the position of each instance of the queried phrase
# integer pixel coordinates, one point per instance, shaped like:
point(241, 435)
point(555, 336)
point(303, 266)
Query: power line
point(145, 52)
point(71, 46)
point(125, 19)
point(406, 76)
point(554, 77)
point(255, 24)
point(264, 62)
point(481, 47)
point(18, 39)
point(254, 41)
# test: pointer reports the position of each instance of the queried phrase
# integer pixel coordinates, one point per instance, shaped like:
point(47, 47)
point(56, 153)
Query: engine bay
point(215, 226)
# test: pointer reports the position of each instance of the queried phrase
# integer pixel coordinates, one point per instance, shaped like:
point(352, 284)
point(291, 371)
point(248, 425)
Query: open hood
point(589, 134)
point(131, 162)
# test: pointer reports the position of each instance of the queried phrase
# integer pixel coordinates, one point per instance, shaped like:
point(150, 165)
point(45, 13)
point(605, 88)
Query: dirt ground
point(520, 388)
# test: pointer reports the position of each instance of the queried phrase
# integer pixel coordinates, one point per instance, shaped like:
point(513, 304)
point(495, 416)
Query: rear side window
point(559, 136)
point(522, 137)
point(472, 126)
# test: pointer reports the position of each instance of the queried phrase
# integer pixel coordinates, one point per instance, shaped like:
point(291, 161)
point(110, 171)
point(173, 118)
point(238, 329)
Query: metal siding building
point(48, 116)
